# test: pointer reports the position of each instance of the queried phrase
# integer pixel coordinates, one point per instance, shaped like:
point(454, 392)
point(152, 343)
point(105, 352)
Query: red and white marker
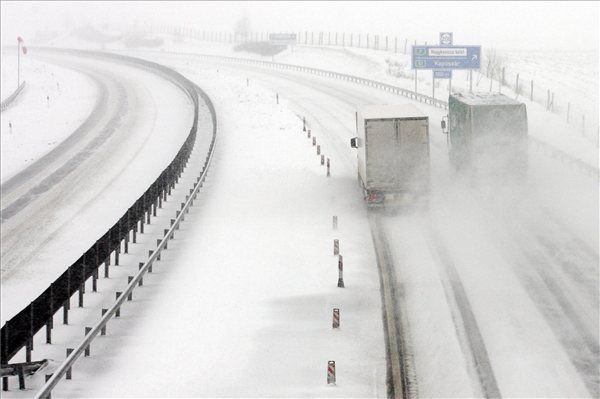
point(331, 372)
point(336, 246)
point(336, 318)
point(341, 270)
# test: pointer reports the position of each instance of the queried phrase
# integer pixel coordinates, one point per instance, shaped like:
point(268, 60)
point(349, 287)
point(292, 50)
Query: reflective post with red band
point(336, 318)
point(341, 270)
point(331, 372)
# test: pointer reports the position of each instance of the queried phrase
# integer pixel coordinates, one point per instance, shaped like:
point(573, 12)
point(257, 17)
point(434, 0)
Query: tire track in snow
point(466, 325)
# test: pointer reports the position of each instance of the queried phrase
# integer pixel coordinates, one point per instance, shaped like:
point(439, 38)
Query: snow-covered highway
point(256, 247)
point(56, 208)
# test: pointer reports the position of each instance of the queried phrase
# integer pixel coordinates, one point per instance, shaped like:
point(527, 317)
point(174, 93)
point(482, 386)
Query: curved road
point(506, 254)
point(57, 207)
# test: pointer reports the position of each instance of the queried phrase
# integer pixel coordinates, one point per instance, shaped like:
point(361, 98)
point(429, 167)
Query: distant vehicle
point(393, 154)
point(487, 133)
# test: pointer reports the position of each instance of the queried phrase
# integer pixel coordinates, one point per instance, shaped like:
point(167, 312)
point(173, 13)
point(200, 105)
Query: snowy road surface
point(56, 210)
point(532, 247)
point(253, 276)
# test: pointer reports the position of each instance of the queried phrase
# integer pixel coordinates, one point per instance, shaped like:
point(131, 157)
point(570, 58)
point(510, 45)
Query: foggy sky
point(522, 25)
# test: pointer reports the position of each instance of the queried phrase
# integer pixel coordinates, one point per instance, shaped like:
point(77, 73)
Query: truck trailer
point(487, 133)
point(393, 154)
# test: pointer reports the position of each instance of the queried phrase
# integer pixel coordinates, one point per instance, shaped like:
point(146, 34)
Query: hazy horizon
point(514, 25)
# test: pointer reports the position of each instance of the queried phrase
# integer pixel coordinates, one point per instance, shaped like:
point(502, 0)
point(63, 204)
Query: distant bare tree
point(493, 65)
point(242, 26)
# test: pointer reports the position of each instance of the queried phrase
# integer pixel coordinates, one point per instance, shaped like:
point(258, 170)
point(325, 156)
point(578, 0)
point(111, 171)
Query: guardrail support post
point(95, 280)
point(68, 376)
point(103, 329)
point(87, 348)
point(129, 280)
point(49, 332)
point(141, 264)
point(21, 375)
point(47, 377)
point(81, 294)
point(28, 349)
point(117, 255)
point(66, 312)
point(118, 312)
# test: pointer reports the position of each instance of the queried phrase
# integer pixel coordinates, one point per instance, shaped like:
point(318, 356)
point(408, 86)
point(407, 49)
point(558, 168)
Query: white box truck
point(393, 154)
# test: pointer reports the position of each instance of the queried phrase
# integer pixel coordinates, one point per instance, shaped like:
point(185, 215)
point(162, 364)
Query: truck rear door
point(413, 168)
point(381, 140)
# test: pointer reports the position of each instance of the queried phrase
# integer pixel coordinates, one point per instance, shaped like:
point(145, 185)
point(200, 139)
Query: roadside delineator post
point(318, 150)
point(314, 141)
point(308, 133)
point(331, 372)
point(341, 272)
point(328, 168)
point(336, 318)
point(336, 246)
point(335, 222)
point(322, 159)
point(304, 124)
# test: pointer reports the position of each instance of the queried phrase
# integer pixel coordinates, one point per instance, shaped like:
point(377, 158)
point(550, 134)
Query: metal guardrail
point(5, 104)
point(556, 153)
point(336, 75)
point(85, 343)
point(18, 332)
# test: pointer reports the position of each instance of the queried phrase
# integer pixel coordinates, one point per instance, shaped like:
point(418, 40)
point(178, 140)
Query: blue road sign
point(446, 57)
point(446, 39)
point(442, 74)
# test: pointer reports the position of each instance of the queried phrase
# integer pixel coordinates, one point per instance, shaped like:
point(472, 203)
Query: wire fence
point(580, 111)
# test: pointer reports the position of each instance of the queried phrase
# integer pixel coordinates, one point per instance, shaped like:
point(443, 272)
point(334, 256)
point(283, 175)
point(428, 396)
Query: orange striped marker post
point(322, 159)
point(331, 372)
point(336, 246)
point(308, 133)
point(341, 270)
point(314, 141)
point(336, 318)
